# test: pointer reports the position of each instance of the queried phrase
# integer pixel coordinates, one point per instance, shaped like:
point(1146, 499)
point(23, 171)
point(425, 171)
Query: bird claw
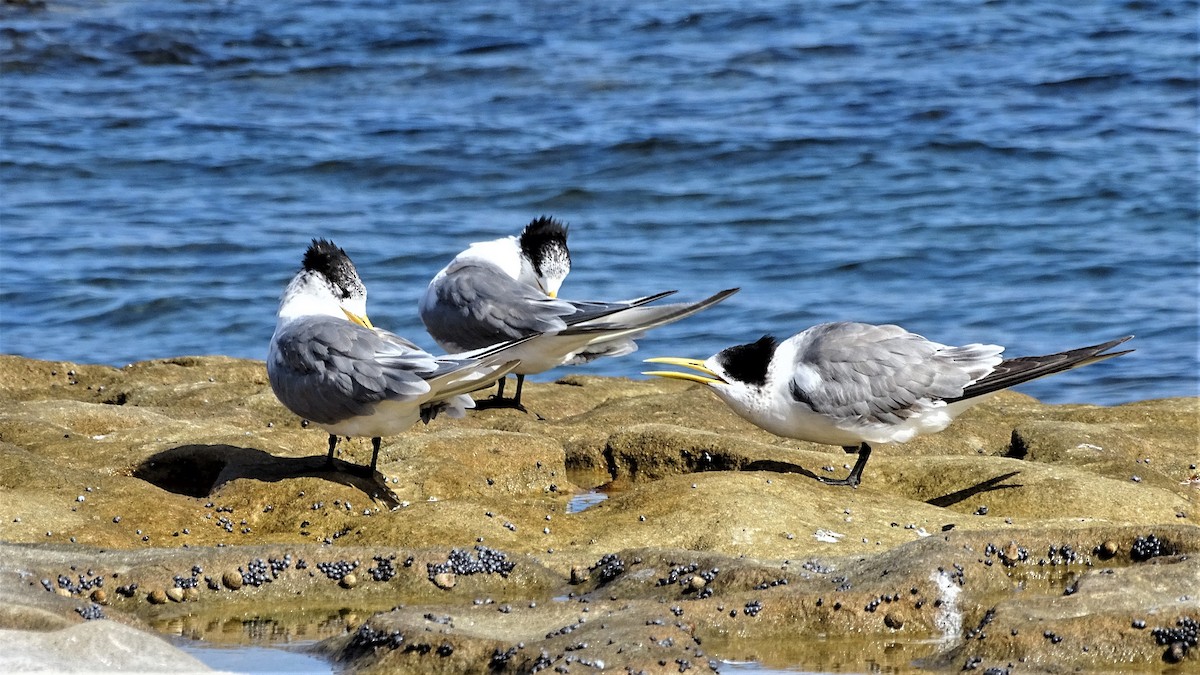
point(850, 480)
point(855, 477)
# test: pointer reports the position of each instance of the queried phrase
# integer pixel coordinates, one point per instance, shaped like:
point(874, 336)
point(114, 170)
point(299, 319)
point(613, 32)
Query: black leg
point(517, 398)
point(498, 401)
point(374, 452)
point(333, 440)
point(855, 477)
point(500, 387)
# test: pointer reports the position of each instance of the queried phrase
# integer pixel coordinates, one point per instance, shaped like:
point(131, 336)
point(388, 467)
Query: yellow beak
point(553, 294)
point(708, 376)
point(360, 320)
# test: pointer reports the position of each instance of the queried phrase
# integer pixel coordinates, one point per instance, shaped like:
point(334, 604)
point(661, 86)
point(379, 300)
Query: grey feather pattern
point(617, 330)
point(881, 374)
point(327, 369)
point(632, 318)
point(478, 305)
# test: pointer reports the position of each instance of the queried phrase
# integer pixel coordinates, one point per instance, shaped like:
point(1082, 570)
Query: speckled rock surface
point(1015, 539)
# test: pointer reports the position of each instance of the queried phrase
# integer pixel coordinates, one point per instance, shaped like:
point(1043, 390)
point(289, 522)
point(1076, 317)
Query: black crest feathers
point(749, 362)
point(544, 239)
point(328, 259)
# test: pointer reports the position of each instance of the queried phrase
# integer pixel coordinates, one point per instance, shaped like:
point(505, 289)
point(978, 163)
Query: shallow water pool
point(256, 659)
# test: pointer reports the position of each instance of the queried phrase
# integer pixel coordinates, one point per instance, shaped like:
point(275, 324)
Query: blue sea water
point(1018, 172)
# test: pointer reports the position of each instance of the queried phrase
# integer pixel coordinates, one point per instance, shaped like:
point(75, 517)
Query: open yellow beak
point(360, 320)
point(708, 376)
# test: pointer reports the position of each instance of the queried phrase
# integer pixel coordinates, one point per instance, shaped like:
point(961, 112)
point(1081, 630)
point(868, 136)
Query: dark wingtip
point(651, 298)
point(1101, 349)
point(1012, 372)
point(1114, 343)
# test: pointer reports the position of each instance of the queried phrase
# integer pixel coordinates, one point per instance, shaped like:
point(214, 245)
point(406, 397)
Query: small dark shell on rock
point(1175, 653)
point(157, 596)
point(232, 580)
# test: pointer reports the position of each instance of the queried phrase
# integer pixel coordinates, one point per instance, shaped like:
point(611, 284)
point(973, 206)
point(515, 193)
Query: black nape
point(749, 362)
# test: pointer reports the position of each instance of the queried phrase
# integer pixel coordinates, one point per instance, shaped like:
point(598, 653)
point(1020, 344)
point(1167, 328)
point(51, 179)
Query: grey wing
point(881, 374)
point(614, 333)
point(477, 306)
point(328, 370)
point(635, 319)
point(589, 310)
point(403, 343)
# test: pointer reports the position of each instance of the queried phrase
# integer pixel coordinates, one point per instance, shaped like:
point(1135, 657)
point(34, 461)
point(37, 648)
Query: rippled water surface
point(1020, 173)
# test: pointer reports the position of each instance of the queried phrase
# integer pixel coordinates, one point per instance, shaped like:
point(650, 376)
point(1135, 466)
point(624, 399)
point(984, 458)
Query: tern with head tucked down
point(507, 289)
point(853, 384)
point(328, 364)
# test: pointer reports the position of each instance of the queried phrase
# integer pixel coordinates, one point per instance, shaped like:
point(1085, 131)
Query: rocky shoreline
point(177, 496)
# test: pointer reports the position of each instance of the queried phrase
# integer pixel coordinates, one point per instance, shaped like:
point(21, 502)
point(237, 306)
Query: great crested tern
point(329, 365)
point(853, 384)
point(507, 289)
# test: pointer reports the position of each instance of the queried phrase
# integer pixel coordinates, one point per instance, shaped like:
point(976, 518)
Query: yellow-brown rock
point(196, 451)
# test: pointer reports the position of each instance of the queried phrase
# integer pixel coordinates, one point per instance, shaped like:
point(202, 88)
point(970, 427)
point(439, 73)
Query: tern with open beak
point(854, 384)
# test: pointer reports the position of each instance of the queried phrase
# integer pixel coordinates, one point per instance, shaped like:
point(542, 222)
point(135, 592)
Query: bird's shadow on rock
point(944, 501)
point(198, 470)
point(966, 493)
point(778, 467)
